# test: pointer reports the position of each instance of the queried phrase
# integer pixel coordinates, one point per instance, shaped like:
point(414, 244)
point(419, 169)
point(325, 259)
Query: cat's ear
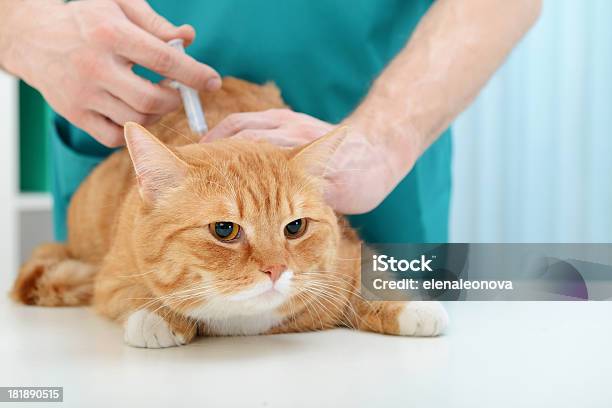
point(316, 155)
point(157, 167)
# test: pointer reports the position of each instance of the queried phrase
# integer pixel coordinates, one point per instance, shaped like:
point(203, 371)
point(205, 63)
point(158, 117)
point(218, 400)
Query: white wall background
point(533, 155)
point(8, 180)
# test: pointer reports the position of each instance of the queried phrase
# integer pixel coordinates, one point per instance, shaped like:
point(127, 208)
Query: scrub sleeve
point(323, 55)
point(71, 162)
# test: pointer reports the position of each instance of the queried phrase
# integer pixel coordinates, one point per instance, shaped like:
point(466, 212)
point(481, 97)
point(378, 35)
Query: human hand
point(363, 170)
point(80, 55)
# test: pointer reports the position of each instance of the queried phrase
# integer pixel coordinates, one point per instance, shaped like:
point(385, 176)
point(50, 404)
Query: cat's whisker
point(175, 131)
point(179, 292)
point(328, 276)
point(348, 304)
point(332, 274)
point(136, 274)
point(318, 301)
point(343, 291)
point(340, 302)
point(316, 304)
point(163, 300)
point(348, 259)
point(306, 302)
point(301, 297)
point(320, 296)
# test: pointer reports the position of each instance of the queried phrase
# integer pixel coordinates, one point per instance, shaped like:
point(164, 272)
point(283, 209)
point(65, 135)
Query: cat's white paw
point(422, 319)
point(147, 329)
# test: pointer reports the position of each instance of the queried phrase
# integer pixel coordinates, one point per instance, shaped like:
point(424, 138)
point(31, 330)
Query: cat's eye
point(225, 231)
point(296, 229)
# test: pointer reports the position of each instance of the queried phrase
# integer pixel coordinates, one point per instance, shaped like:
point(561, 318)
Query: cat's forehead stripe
point(264, 192)
point(262, 184)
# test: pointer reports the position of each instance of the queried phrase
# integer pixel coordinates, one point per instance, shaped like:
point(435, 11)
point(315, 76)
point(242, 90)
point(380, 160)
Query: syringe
point(191, 99)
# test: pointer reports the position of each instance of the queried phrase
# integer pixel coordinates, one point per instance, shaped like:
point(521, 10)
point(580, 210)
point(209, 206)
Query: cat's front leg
point(152, 329)
point(147, 322)
point(419, 318)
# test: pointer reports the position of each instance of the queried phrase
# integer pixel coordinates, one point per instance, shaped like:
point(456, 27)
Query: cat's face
point(233, 227)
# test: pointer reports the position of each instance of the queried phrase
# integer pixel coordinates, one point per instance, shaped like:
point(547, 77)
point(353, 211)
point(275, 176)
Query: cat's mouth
point(267, 290)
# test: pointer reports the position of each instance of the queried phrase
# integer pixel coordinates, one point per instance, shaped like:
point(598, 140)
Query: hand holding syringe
point(191, 100)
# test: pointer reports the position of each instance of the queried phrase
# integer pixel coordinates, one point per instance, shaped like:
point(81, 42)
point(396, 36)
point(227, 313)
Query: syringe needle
point(191, 100)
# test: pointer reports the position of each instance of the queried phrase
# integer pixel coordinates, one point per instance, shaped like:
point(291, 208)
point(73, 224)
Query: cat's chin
point(221, 307)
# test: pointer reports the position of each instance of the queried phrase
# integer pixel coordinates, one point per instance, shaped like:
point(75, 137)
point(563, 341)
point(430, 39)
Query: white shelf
point(34, 202)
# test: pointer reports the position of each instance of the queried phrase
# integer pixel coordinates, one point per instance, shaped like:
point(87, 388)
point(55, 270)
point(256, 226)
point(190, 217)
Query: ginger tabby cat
point(173, 239)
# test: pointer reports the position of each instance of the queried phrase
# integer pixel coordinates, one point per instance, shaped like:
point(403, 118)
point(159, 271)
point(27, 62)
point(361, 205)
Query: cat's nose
point(274, 271)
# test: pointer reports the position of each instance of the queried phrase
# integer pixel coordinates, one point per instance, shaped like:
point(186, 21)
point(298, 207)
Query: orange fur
point(146, 245)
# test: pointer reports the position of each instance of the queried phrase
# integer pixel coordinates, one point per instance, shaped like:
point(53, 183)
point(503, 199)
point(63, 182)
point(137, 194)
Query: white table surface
point(494, 355)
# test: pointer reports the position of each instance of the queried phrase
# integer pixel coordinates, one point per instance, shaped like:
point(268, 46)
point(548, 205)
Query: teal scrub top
point(324, 56)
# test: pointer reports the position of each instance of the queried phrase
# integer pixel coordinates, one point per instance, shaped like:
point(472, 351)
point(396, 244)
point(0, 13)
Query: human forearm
point(15, 17)
point(7, 9)
point(455, 49)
